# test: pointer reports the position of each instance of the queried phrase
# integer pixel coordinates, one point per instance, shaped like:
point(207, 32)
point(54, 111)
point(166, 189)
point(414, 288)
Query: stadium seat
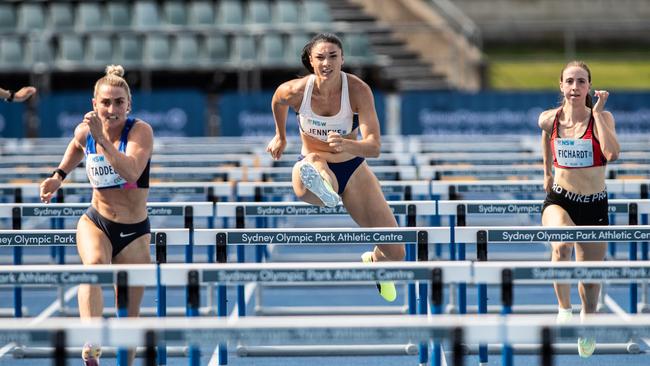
point(39, 52)
point(119, 15)
point(61, 15)
point(201, 14)
point(31, 17)
point(157, 49)
point(356, 46)
point(99, 50)
point(11, 54)
point(316, 11)
point(271, 50)
point(244, 49)
point(129, 50)
point(175, 13)
point(259, 12)
point(145, 14)
point(187, 50)
point(7, 17)
point(217, 49)
point(295, 44)
point(71, 49)
point(286, 12)
point(89, 16)
point(230, 13)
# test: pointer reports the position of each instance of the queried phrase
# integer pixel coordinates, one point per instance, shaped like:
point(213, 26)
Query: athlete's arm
point(363, 103)
point(604, 127)
point(131, 164)
point(287, 95)
point(73, 155)
point(545, 122)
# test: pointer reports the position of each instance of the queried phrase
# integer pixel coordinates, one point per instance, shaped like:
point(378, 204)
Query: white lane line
point(249, 290)
point(55, 306)
point(616, 308)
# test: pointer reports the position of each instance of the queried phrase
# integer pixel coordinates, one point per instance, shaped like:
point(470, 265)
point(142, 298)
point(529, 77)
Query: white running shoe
point(586, 347)
point(90, 354)
point(564, 316)
point(318, 185)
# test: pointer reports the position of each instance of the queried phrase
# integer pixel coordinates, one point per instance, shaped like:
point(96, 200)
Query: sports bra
point(571, 153)
point(311, 124)
point(100, 172)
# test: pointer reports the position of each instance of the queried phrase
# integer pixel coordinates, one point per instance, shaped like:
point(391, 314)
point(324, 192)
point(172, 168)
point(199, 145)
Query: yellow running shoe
point(90, 354)
point(586, 347)
point(387, 290)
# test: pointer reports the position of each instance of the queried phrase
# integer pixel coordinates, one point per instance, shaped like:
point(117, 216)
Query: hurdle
point(510, 329)
point(482, 236)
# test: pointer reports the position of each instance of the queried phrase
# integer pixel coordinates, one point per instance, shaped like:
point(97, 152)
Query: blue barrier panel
point(11, 119)
point(250, 114)
point(444, 112)
point(170, 113)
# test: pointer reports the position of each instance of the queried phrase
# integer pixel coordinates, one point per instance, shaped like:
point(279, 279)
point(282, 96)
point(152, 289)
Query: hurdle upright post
point(161, 290)
point(461, 220)
point(436, 308)
point(423, 256)
point(506, 301)
point(457, 346)
point(546, 358)
point(222, 307)
point(150, 348)
point(481, 256)
point(411, 221)
point(633, 219)
point(122, 310)
point(193, 303)
point(644, 251)
point(16, 224)
point(59, 342)
point(240, 223)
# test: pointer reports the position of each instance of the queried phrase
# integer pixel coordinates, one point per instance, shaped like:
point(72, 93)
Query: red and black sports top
point(570, 153)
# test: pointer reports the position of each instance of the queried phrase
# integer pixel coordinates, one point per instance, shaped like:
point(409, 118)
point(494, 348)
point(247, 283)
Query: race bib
point(101, 173)
point(574, 153)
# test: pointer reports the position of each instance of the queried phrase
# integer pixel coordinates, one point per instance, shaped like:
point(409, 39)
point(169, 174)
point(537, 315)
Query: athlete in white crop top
point(332, 163)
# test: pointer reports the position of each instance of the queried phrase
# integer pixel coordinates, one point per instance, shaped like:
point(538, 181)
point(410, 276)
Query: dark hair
point(588, 101)
point(321, 37)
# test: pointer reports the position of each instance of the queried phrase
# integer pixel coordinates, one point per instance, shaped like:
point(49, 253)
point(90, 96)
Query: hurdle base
point(75, 352)
point(144, 311)
point(558, 348)
point(329, 310)
point(9, 312)
point(328, 350)
point(516, 309)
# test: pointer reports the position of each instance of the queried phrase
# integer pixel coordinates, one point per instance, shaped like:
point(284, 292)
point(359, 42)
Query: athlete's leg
point(301, 191)
point(94, 248)
point(555, 215)
point(589, 292)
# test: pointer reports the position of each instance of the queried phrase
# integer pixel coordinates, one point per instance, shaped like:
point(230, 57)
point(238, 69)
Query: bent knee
point(562, 252)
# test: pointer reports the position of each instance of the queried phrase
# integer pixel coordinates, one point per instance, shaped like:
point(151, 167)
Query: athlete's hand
point(335, 141)
point(548, 184)
point(47, 189)
point(276, 147)
point(24, 93)
point(602, 96)
point(95, 125)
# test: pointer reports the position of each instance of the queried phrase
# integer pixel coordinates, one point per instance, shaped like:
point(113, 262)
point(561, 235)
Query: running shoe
point(564, 316)
point(318, 185)
point(586, 347)
point(387, 290)
point(90, 354)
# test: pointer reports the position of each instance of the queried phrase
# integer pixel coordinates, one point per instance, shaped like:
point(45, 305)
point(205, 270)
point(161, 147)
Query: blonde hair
point(588, 101)
point(114, 77)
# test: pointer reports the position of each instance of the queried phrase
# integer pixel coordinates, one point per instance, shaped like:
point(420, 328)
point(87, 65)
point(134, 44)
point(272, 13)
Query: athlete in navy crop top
point(115, 228)
point(578, 140)
point(332, 166)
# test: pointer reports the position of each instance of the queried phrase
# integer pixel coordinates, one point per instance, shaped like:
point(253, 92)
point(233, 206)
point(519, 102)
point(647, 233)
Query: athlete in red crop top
point(578, 141)
point(115, 228)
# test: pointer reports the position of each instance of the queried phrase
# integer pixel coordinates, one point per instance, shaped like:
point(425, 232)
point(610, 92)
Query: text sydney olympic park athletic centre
point(568, 235)
point(323, 237)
